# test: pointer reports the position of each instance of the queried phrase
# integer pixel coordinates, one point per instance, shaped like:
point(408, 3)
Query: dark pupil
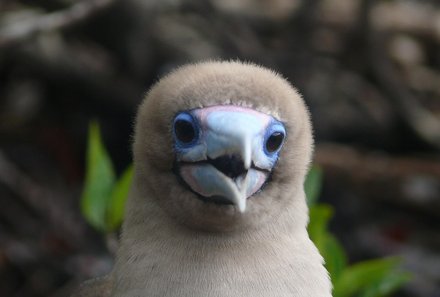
point(184, 131)
point(274, 142)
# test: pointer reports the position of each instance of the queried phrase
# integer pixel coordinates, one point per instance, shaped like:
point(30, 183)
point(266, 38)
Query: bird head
point(222, 146)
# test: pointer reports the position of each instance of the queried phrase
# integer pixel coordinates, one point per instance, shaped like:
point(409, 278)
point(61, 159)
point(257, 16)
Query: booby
point(217, 206)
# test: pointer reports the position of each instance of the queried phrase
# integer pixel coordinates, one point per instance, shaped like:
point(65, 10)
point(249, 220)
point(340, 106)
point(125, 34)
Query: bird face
point(226, 153)
point(221, 146)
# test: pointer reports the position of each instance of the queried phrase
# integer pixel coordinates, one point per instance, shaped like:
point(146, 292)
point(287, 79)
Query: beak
point(216, 186)
point(230, 141)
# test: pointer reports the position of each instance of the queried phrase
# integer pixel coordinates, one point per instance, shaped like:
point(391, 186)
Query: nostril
point(231, 166)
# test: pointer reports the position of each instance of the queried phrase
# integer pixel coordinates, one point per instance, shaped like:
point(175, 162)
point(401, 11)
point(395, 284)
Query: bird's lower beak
point(214, 185)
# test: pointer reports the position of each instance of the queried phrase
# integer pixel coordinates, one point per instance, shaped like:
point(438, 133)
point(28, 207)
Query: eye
point(185, 130)
point(274, 142)
point(275, 138)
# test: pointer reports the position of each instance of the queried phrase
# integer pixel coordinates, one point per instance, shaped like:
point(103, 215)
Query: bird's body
point(244, 234)
point(276, 260)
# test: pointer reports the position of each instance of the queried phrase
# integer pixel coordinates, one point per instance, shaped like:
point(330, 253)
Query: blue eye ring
point(185, 130)
point(274, 138)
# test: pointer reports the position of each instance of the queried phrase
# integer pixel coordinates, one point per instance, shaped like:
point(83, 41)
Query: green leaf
point(329, 247)
point(320, 215)
point(361, 276)
point(312, 185)
point(116, 207)
point(334, 256)
point(393, 280)
point(100, 178)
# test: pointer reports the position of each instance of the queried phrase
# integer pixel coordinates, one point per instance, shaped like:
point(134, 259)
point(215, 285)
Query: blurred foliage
point(371, 278)
point(103, 204)
point(103, 198)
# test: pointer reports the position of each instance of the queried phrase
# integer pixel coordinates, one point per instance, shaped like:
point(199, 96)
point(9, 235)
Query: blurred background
point(368, 70)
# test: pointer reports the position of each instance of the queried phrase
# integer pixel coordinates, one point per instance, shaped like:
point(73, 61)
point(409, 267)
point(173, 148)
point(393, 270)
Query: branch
point(411, 182)
point(24, 29)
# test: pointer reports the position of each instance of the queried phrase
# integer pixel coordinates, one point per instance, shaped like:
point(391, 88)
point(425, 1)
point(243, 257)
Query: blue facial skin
point(196, 149)
point(274, 126)
point(189, 118)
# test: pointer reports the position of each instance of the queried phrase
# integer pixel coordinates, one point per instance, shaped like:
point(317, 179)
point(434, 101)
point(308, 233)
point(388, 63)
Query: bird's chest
point(218, 275)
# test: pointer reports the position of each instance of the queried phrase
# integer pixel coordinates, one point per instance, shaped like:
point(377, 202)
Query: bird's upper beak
point(226, 161)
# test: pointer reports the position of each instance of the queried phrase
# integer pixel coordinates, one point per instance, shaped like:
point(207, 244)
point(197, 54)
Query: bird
point(217, 205)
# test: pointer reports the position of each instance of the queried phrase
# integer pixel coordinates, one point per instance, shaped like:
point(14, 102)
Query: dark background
point(369, 71)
